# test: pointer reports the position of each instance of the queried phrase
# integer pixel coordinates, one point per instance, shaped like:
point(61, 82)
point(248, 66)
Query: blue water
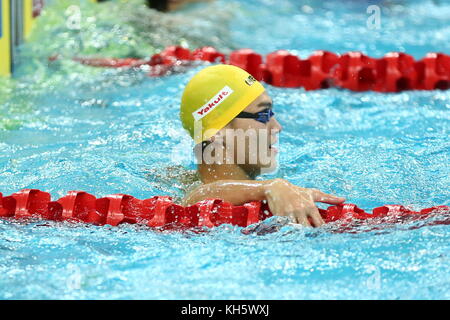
point(68, 127)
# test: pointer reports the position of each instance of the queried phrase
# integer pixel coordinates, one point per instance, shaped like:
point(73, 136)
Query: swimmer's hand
point(283, 198)
point(286, 199)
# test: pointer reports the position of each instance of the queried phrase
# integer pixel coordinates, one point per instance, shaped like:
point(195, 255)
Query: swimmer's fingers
point(308, 214)
point(292, 217)
point(319, 196)
point(303, 220)
point(294, 211)
point(316, 218)
point(275, 208)
point(301, 211)
point(299, 218)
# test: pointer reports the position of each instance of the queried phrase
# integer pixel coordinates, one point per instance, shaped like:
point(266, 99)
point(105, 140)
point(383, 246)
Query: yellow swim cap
point(213, 97)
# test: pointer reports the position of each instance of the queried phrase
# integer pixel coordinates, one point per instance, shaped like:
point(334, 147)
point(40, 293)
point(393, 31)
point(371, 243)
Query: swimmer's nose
point(276, 126)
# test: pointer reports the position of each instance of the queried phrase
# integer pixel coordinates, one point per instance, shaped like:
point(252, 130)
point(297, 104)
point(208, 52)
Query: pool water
point(69, 127)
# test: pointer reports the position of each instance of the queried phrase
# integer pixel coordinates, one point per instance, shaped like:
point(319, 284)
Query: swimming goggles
point(262, 116)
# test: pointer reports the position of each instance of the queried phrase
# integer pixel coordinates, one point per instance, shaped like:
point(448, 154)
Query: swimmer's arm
point(237, 192)
point(283, 198)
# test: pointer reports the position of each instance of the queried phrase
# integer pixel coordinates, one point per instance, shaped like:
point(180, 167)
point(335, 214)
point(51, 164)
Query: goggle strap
point(248, 115)
point(262, 116)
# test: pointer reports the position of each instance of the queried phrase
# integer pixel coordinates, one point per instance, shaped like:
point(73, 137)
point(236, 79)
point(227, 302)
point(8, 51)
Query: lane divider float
point(395, 72)
point(162, 212)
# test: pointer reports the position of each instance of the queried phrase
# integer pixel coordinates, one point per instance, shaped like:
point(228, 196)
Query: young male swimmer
point(229, 115)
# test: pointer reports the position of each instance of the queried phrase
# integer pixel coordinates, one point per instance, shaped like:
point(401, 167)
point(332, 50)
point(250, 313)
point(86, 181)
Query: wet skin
point(234, 182)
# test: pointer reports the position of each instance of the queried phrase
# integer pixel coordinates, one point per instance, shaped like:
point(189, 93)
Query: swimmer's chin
point(270, 168)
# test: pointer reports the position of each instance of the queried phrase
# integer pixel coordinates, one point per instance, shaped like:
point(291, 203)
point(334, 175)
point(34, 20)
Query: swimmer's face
point(254, 139)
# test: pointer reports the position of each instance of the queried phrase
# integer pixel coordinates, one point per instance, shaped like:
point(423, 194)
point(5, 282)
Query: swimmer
point(230, 116)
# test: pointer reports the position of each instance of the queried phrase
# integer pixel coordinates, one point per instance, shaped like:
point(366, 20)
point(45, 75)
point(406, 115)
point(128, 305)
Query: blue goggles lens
point(262, 116)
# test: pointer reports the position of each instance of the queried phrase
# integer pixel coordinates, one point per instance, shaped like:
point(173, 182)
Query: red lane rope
point(160, 211)
point(394, 72)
